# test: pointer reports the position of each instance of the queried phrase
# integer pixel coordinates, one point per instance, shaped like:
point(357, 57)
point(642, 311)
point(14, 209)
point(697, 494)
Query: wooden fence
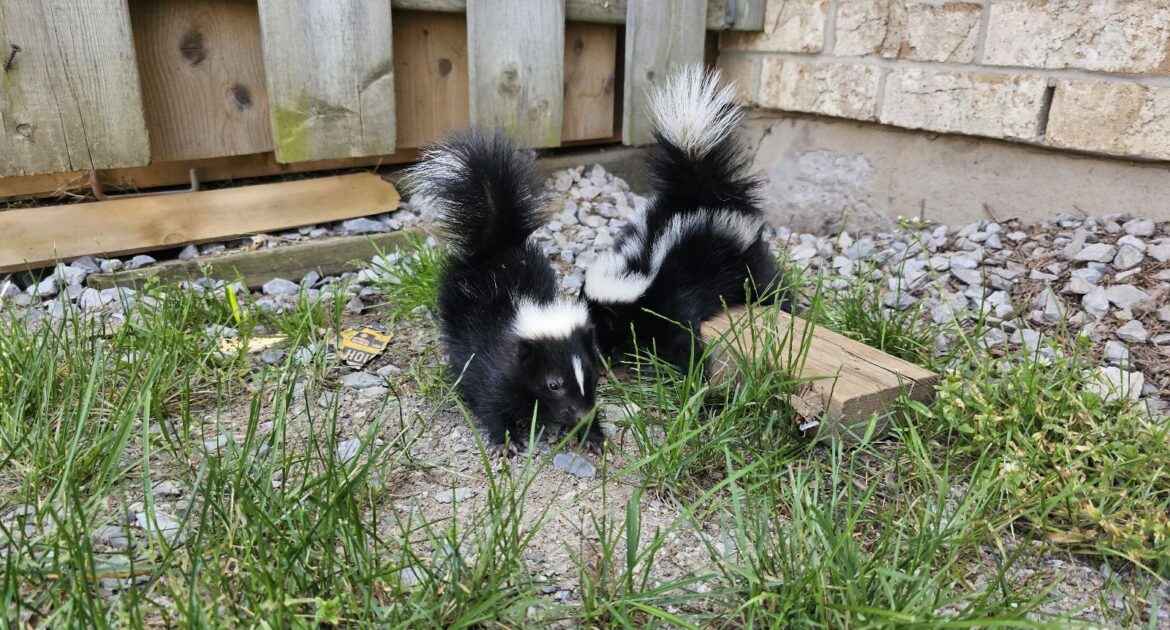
point(141, 90)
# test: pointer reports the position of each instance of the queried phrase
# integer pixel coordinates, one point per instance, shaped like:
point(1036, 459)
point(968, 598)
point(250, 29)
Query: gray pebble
point(348, 450)
point(112, 536)
point(272, 356)
point(458, 494)
point(1139, 227)
point(280, 286)
point(189, 253)
point(361, 380)
point(1133, 332)
point(139, 261)
point(1116, 353)
point(1096, 302)
point(363, 225)
point(1128, 257)
point(1127, 296)
point(1097, 252)
point(574, 465)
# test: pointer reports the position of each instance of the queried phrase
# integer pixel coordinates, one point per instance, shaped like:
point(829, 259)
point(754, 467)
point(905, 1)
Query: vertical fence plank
point(330, 77)
point(659, 37)
point(516, 53)
point(202, 78)
point(735, 15)
point(590, 58)
point(71, 100)
point(430, 70)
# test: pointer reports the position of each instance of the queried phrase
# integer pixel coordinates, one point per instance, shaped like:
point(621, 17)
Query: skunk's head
point(555, 359)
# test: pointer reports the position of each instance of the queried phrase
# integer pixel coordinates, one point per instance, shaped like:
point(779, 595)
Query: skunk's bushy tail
point(483, 190)
point(697, 158)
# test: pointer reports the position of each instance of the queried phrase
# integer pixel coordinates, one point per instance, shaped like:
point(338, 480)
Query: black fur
point(488, 207)
point(705, 270)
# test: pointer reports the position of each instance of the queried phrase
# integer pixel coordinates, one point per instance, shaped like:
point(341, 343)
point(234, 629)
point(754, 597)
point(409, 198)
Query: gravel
point(574, 465)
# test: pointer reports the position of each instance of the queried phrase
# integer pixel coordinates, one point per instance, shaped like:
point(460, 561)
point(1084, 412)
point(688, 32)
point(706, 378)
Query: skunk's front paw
point(502, 450)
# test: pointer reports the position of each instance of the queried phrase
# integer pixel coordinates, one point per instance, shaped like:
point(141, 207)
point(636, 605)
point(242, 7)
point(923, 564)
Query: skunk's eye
point(554, 385)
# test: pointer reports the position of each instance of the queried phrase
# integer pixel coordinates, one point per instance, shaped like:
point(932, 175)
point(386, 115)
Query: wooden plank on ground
point(35, 237)
point(660, 36)
point(328, 257)
point(330, 78)
point(516, 54)
point(590, 71)
point(179, 173)
point(430, 70)
point(852, 380)
point(71, 100)
point(202, 77)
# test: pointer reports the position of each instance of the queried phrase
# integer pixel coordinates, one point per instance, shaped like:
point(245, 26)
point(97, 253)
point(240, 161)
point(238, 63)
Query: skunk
point(698, 244)
point(517, 348)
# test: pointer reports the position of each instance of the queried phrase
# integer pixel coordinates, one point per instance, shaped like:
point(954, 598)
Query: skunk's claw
point(501, 450)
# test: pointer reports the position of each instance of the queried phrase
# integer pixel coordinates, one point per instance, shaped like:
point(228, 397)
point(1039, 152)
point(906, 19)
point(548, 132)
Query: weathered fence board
point(430, 69)
point(330, 78)
point(745, 15)
point(516, 53)
point(659, 37)
point(71, 100)
point(202, 77)
point(590, 65)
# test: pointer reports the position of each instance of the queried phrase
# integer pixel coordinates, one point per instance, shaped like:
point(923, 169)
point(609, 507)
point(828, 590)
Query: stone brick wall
point(1089, 75)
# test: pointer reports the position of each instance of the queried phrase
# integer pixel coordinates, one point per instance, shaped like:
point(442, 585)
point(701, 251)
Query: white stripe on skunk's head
point(609, 281)
point(551, 320)
point(694, 110)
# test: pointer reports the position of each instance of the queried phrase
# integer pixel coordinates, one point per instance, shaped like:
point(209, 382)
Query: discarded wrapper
point(260, 343)
point(359, 347)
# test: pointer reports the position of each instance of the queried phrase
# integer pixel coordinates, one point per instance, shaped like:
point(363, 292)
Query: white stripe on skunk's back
point(551, 320)
point(610, 281)
point(694, 110)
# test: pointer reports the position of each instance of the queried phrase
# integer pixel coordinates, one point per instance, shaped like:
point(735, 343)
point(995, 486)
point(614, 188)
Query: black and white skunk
point(698, 245)
point(516, 346)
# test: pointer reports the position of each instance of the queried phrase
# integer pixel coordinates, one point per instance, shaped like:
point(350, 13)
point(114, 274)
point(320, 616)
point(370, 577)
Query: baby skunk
point(699, 242)
point(514, 344)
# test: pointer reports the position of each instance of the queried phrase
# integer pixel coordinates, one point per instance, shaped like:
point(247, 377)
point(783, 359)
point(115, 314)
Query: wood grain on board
point(71, 100)
point(590, 72)
point(854, 381)
point(203, 80)
point(330, 74)
point(660, 36)
point(36, 237)
point(516, 54)
point(430, 70)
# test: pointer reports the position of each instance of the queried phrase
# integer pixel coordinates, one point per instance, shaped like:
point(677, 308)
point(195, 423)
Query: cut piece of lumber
point(71, 100)
point(854, 381)
point(516, 54)
point(35, 237)
point(202, 77)
point(179, 173)
point(328, 257)
point(590, 71)
point(430, 70)
point(660, 36)
point(330, 76)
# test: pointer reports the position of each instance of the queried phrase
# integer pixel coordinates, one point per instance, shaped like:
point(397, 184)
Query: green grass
point(409, 277)
point(932, 527)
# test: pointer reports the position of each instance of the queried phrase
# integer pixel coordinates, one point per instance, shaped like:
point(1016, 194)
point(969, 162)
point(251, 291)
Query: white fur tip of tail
point(695, 110)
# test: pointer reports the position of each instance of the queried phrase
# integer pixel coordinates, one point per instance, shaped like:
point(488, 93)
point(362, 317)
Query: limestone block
point(974, 103)
point(1114, 117)
point(789, 26)
point(743, 72)
point(1101, 35)
point(908, 29)
point(842, 90)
